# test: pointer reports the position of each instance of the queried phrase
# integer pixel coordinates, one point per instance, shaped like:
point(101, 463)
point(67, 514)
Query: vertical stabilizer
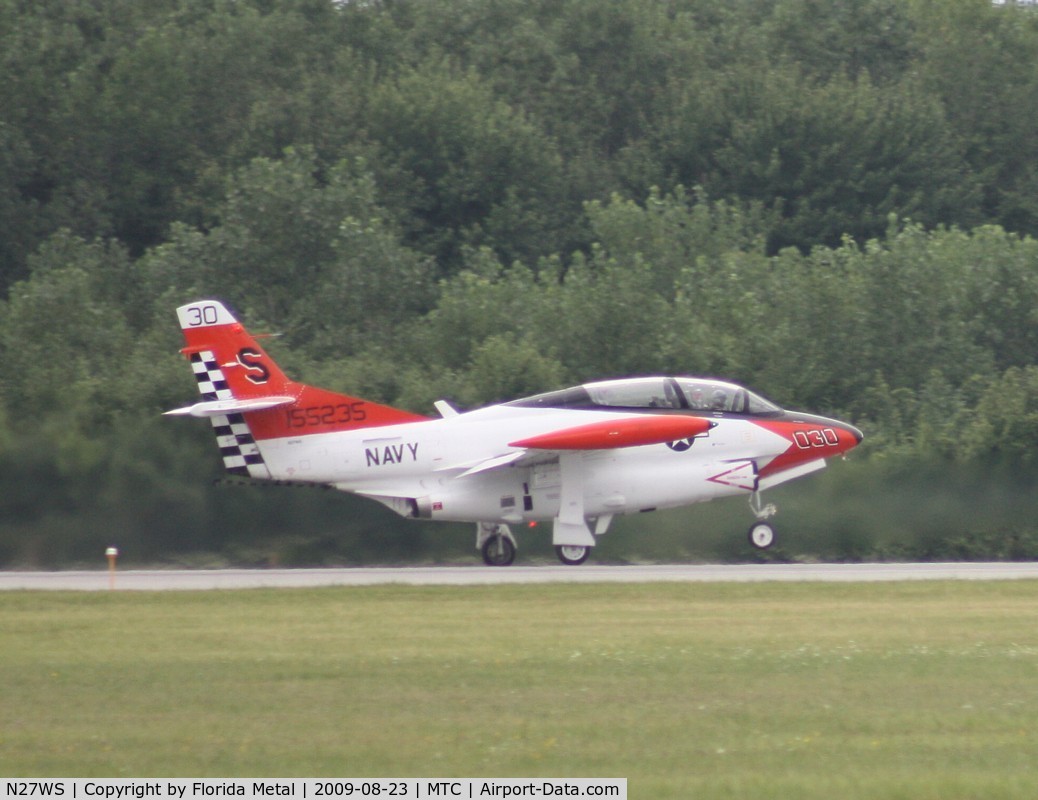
point(249, 399)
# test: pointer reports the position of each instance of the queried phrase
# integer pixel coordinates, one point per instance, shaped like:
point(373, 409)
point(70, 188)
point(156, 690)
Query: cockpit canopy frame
point(657, 393)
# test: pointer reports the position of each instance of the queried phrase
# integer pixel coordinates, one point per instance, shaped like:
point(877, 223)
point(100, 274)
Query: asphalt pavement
point(172, 580)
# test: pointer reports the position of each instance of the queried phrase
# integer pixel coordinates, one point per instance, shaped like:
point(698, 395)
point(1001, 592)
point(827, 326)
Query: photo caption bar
point(311, 788)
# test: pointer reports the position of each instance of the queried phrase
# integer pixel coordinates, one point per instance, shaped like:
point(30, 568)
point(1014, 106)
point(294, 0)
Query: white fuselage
point(462, 468)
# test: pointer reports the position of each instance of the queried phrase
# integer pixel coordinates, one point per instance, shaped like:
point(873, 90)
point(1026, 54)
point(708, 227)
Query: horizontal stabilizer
point(626, 432)
point(214, 408)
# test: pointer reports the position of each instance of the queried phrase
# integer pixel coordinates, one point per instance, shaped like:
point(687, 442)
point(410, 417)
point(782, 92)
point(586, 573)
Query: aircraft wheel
point(762, 535)
point(498, 551)
point(572, 555)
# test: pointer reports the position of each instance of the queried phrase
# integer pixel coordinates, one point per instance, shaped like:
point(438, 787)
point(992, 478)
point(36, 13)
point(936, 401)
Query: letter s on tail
point(249, 398)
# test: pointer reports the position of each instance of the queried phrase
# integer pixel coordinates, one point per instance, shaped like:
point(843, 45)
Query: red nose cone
point(850, 437)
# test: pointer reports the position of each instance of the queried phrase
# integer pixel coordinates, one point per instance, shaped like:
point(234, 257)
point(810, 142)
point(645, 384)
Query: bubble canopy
point(675, 393)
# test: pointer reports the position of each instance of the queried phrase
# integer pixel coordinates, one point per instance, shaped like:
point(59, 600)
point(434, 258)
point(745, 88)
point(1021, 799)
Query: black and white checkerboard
point(241, 455)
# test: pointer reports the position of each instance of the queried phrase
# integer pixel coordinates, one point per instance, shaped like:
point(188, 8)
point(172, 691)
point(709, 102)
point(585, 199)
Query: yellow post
point(112, 553)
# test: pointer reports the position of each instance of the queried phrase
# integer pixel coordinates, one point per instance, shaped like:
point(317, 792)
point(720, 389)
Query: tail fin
point(249, 398)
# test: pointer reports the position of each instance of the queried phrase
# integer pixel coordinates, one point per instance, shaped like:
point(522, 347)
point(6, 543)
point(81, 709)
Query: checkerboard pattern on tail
point(211, 382)
point(241, 455)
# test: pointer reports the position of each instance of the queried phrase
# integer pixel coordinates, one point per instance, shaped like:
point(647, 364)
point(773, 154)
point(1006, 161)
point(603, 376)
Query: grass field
point(914, 690)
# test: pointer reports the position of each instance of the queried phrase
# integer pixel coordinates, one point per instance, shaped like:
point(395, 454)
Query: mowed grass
point(907, 690)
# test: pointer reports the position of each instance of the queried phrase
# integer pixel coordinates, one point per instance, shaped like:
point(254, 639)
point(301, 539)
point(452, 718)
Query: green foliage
point(463, 166)
point(830, 158)
point(80, 345)
point(980, 65)
point(309, 252)
point(871, 38)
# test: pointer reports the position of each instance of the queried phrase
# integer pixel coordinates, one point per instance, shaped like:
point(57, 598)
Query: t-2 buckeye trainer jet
point(577, 456)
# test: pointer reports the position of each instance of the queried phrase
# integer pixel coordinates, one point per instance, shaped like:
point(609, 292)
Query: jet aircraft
point(577, 457)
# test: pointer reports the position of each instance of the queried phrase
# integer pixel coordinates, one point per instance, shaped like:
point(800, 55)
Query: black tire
point(572, 555)
point(761, 535)
point(498, 551)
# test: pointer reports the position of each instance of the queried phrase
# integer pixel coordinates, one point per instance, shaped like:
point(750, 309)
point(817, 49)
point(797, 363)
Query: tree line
point(830, 202)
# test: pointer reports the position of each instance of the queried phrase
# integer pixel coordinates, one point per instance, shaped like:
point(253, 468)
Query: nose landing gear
point(762, 533)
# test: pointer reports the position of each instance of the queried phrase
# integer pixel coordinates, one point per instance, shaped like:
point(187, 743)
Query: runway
point(227, 579)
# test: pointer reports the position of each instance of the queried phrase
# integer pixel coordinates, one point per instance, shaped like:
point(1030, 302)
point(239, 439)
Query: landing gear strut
point(762, 533)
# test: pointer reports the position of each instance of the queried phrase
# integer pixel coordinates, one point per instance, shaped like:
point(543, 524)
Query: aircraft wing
point(522, 458)
point(613, 433)
point(493, 463)
point(604, 435)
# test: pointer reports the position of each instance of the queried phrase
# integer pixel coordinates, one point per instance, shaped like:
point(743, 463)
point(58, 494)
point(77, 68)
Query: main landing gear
point(496, 543)
point(572, 555)
point(762, 533)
